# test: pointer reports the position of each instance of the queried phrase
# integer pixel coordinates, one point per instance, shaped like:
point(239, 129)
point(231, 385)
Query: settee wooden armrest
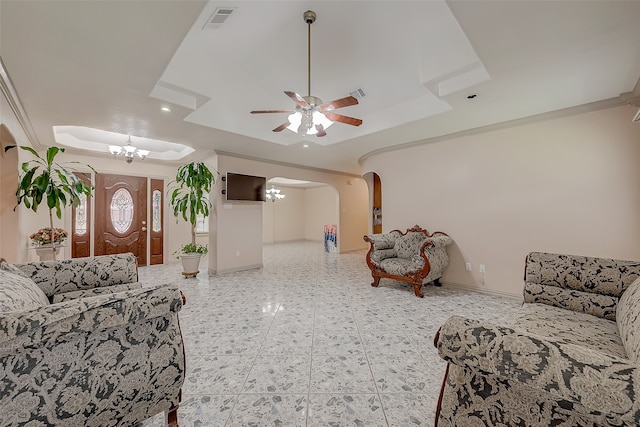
point(414, 256)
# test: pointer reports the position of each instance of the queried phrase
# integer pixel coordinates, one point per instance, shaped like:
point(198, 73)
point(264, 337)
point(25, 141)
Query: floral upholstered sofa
point(572, 357)
point(414, 256)
point(82, 343)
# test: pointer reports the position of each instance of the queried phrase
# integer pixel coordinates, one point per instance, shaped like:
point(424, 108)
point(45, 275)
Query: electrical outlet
point(481, 268)
point(468, 266)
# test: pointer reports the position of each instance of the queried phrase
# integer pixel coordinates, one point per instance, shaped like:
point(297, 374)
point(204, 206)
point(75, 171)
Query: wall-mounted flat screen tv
point(246, 187)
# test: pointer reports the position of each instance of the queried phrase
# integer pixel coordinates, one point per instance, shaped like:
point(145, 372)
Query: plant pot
point(47, 253)
point(190, 264)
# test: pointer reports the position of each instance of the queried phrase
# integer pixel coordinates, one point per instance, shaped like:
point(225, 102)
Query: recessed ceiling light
point(166, 109)
point(305, 145)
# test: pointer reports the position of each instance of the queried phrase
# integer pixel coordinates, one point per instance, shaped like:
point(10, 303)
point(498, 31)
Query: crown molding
point(11, 95)
point(290, 165)
point(565, 112)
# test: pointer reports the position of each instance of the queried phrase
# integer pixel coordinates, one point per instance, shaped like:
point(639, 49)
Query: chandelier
point(273, 194)
point(128, 151)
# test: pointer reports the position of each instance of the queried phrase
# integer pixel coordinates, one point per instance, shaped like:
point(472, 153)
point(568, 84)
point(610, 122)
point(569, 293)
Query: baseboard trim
point(480, 290)
point(235, 270)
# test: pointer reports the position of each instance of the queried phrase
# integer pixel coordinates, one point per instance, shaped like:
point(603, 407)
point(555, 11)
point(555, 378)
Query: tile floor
point(306, 341)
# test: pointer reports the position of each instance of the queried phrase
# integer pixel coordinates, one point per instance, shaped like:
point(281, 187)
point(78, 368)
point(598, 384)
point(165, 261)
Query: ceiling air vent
point(358, 94)
point(219, 16)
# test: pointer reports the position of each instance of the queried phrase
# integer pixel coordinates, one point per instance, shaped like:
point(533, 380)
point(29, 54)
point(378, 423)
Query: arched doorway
point(9, 226)
point(302, 213)
point(375, 201)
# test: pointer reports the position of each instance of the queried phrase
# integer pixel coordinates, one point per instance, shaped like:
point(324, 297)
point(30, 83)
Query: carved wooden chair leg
point(417, 290)
point(437, 282)
point(376, 281)
point(439, 405)
point(172, 417)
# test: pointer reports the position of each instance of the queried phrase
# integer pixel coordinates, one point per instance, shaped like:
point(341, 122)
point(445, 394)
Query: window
point(81, 216)
point(121, 210)
point(202, 224)
point(156, 209)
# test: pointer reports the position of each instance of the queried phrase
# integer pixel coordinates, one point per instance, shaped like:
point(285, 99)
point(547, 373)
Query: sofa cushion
point(399, 266)
point(4, 265)
point(571, 327)
point(628, 319)
point(19, 293)
point(408, 246)
point(85, 293)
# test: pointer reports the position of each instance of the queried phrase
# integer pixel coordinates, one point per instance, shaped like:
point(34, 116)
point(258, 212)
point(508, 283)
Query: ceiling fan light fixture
point(304, 122)
point(312, 116)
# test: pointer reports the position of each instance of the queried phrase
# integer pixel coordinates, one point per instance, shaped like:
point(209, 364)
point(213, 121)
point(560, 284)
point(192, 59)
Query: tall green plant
point(190, 194)
point(43, 179)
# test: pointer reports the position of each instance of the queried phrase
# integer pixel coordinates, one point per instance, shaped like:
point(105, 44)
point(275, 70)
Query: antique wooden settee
point(414, 256)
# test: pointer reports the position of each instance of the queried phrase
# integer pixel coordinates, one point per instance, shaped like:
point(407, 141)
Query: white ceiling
point(111, 65)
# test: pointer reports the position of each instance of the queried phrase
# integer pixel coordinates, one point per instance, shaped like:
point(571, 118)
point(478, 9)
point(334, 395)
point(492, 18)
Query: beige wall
point(321, 208)
point(283, 220)
point(568, 185)
point(301, 215)
point(236, 240)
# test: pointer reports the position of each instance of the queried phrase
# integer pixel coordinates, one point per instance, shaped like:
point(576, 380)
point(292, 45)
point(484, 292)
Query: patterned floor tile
point(306, 340)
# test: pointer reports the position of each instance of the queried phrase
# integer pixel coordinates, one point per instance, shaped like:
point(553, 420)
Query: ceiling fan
point(311, 116)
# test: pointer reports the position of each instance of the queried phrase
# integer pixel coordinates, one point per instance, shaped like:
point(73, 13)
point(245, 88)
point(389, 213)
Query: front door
point(121, 215)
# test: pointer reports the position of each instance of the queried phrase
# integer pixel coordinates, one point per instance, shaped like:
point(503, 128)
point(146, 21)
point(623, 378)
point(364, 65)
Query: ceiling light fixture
point(128, 151)
point(274, 195)
point(312, 116)
point(166, 109)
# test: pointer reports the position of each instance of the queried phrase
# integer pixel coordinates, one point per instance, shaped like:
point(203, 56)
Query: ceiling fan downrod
point(309, 17)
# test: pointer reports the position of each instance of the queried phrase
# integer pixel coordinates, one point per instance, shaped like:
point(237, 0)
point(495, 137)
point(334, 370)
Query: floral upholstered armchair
point(82, 343)
point(414, 256)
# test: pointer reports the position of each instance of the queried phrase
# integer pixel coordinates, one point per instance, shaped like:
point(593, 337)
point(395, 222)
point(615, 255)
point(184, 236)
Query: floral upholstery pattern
point(95, 291)
point(560, 363)
point(628, 320)
point(106, 360)
point(18, 293)
point(600, 388)
point(571, 327)
point(4, 265)
point(56, 277)
point(414, 256)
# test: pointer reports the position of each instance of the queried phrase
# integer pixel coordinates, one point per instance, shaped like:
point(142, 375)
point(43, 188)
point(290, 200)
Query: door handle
point(144, 228)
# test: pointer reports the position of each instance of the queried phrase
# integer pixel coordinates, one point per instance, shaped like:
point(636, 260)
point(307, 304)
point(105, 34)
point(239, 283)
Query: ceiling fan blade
point(271, 111)
point(334, 117)
point(282, 126)
point(321, 131)
point(297, 99)
point(339, 103)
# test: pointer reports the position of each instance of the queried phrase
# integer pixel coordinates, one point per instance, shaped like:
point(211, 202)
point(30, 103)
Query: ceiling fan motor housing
point(313, 101)
point(309, 16)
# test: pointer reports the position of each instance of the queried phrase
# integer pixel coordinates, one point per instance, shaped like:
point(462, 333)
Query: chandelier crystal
point(128, 151)
point(273, 194)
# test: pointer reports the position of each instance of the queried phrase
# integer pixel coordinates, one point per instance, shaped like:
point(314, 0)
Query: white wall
point(568, 185)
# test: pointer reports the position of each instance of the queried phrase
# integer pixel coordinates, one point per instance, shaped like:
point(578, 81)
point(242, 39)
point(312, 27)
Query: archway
point(375, 201)
point(302, 214)
point(9, 225)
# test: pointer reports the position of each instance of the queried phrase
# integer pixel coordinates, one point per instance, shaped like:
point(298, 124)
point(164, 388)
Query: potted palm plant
point(43, 180)
point(190, 198)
